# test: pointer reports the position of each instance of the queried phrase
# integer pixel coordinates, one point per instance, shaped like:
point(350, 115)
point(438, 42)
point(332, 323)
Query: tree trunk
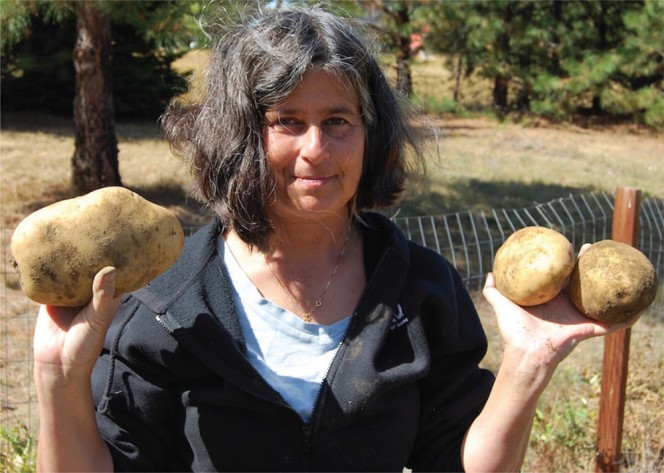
point(596, 108)
point(554, 64)
point(457, 79)
point(500, 93)
point(404, 75)
point(502, 79)
point(523, 98)
point(95, 160)
point(404, 54)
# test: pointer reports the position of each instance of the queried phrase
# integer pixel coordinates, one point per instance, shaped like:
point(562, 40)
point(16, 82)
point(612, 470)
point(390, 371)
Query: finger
point(617, 326)
point(489, 286)
point(104, 299)
point(584, 248)
point(103, 284)
point(491, 293)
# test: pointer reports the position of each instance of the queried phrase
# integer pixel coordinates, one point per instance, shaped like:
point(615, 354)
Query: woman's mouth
point(312, 181)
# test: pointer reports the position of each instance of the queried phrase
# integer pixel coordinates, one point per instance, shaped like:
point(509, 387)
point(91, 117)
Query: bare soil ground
point(481, 164)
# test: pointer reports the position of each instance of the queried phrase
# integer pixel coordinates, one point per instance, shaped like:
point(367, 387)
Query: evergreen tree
point(394, 22)
point(398, 16)
point(161, 24)
point(559, 58)
point(450, 25)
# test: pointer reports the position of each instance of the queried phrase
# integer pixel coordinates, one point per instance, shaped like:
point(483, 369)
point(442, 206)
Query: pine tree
point(95, 159)
point(559, 58)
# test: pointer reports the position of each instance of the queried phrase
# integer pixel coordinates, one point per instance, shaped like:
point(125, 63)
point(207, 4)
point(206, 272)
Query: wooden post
point(626, 212)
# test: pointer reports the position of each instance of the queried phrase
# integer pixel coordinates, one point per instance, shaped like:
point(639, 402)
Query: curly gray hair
point(253, 66)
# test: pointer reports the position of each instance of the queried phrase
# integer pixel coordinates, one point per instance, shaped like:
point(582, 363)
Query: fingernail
point(108, 274)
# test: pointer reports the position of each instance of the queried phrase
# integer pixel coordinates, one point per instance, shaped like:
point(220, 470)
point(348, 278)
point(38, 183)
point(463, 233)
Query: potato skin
point(58, 249)
point(533, 265)
point(612, 281)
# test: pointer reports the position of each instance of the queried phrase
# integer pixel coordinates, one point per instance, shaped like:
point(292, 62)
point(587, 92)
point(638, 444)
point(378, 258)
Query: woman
point(298, 331)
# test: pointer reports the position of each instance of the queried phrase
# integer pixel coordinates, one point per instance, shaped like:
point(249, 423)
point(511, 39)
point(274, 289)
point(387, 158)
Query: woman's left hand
point(536, 339)
point(548, 332)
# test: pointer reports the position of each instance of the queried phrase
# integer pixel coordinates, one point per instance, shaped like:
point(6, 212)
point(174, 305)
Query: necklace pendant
point(308, 316)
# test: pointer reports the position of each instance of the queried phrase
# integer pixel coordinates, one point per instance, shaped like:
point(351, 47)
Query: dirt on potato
point(58, 249)
point(533, 265)
point(612, 282)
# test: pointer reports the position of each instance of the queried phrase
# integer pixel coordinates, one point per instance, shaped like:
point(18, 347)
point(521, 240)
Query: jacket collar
point(381, 236)
point(164, 290)
point(193, 302)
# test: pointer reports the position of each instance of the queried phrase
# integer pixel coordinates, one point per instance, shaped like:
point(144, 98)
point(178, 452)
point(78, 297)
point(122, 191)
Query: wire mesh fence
point(468, 239)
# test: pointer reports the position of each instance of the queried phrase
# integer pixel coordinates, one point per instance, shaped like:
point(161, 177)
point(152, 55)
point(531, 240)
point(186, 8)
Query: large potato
point(612, 281)
point(58, 249)
point(533, 265)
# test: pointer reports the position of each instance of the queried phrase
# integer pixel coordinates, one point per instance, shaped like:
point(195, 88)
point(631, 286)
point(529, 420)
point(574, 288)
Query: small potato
point(58, 249)
point(533, 265)
point(612, 282)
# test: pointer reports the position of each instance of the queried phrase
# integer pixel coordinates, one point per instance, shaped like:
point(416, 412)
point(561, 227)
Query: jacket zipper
point(307, 427)
point(307, 431)
point(355, 309)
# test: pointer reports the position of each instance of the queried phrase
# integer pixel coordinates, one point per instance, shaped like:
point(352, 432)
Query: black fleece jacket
point(175, 391)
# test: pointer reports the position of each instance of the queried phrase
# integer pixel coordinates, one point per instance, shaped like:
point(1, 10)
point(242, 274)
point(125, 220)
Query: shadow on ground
point(467, 195)
point(478, 195)
point(63, 126)
point(179, 200)
point(189, 211)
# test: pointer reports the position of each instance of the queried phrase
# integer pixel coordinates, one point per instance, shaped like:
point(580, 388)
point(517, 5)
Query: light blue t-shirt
point(293, 356)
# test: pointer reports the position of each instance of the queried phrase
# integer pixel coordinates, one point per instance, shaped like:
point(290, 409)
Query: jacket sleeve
point(456, 389)
point(134, 392)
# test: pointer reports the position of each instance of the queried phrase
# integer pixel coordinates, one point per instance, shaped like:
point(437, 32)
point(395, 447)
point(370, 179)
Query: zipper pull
point(307, 431)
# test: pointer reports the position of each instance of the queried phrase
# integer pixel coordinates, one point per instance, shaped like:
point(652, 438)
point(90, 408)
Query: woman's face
point(314, 140)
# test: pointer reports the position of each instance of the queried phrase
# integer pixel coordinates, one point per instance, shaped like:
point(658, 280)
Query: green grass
point(18, 450)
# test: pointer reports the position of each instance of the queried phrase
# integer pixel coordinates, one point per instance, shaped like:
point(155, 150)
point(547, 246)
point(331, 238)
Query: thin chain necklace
point(308, 315)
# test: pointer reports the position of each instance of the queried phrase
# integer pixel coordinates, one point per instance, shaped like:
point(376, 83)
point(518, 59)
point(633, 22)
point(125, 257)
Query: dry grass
point(36, 166)
point(484, 164)
point(564, 434)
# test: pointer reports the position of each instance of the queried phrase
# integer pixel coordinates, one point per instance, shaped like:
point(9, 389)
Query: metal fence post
point(625, 228)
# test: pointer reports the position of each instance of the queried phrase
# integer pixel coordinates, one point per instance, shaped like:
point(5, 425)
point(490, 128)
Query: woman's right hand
point(68, 340)
point(67, 343)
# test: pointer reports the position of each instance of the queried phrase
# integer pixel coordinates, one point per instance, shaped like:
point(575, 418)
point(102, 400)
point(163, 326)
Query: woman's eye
point(291, 125)
point(337, 121)
point(285, 121)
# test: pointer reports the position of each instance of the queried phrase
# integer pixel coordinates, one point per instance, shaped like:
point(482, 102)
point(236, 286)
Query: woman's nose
point(314, 144)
